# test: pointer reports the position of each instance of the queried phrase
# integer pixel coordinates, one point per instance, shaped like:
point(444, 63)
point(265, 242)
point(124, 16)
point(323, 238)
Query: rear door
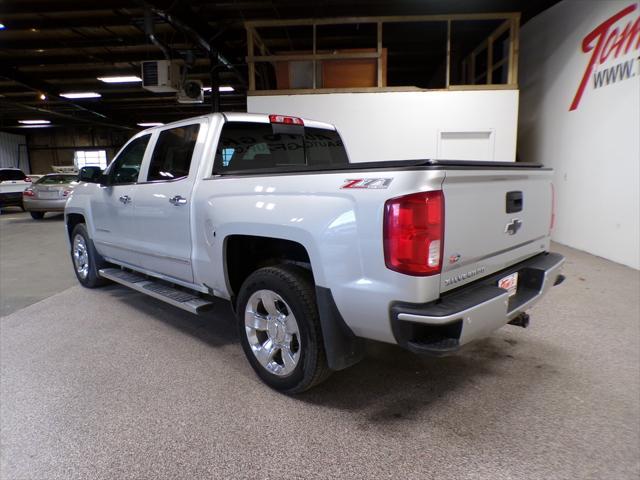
point(493, 219)
point(163, 201)
point(112, 206)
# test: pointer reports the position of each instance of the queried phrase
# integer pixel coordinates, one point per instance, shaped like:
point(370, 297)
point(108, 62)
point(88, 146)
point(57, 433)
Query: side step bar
point(177, 298)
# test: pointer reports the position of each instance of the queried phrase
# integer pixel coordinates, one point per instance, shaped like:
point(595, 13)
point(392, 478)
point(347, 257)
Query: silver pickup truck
point(315, 253)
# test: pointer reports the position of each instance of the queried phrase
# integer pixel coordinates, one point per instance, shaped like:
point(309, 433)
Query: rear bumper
point(37, 205)
point(9, 199)
point(475, 310)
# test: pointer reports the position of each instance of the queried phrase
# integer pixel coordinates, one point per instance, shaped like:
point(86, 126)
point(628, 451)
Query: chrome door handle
point(177, 200)
point(125, 199)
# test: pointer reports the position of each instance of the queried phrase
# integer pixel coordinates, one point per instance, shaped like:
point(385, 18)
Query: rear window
point(249, 146)
point(11, 174)
point(56, 179)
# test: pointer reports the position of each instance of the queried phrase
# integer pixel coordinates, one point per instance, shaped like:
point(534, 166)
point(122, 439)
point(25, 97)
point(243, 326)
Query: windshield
point(56, 179)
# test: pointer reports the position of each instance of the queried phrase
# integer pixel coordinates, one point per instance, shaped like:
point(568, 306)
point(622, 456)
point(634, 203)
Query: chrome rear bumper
point(475, 310)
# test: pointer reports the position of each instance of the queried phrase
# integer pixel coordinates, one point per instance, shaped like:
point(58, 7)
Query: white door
point(113, 207)
point(163, 202)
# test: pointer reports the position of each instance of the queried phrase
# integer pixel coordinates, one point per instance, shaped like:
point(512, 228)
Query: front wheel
point(37, 215)
point(86, 261)
point(280, 329)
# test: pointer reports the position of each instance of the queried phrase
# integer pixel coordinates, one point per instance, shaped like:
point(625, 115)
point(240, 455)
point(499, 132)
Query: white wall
point(595, 148)
point(461, 125)
point(13, 151)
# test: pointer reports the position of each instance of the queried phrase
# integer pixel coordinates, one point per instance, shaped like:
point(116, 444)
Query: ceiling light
point(150, 124)
point(2, 27)
point(80, 95)
point(43, 96)
point(34, 122)
point(122, 79)
point(225, 88)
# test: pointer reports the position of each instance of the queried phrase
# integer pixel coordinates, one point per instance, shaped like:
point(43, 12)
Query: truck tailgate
point(494, 218)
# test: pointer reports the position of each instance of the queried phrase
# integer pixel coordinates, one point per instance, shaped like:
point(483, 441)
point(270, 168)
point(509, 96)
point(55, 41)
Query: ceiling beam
point(44, 87)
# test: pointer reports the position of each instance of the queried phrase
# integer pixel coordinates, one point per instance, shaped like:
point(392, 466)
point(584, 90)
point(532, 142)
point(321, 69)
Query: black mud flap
point(342, 347)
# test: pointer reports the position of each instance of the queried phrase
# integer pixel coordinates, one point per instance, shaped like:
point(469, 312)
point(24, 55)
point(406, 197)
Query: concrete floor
point(109, 384)
point(34, 259)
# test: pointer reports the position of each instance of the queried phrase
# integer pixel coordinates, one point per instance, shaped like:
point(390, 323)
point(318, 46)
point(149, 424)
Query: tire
point(37, 215)
point(86, 261)
point(287, 355)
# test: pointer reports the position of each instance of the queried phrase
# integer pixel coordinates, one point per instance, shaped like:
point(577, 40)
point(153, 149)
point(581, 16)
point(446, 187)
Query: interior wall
point(13, 151)
point(55, 146)
point(461, 125)
point(592, 139)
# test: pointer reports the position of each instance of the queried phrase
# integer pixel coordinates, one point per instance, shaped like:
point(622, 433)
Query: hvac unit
point(191, 92)
point(161, 76)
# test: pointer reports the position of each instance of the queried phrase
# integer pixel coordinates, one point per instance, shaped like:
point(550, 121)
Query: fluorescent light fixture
point(80, 95)
point(150, 124)
point(225, 88)
point(122, 79)
point(34, 122)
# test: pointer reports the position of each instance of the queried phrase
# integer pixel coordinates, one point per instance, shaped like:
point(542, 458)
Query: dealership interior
point(287, 316)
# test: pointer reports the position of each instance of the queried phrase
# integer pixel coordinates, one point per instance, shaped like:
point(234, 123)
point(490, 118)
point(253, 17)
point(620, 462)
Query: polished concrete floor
point(109, 384)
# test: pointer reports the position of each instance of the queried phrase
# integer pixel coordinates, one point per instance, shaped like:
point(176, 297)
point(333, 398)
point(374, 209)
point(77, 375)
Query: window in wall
point(90, 158)
point(172, 155)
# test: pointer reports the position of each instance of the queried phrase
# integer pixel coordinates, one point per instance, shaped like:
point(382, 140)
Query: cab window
point(126, 167)
point(173, 152)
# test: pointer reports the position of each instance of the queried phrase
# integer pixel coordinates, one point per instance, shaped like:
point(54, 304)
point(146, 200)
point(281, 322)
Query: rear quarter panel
point(341, 229)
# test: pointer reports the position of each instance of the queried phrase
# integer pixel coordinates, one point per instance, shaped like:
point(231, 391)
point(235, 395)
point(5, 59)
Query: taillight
point(28, 192)
point(414, 233)
point(552, 223)
point(27, 179)
point(285, 120)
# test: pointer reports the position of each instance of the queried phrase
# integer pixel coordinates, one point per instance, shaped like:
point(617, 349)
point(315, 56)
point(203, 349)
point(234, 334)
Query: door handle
point(177, 200)
point(125, 199)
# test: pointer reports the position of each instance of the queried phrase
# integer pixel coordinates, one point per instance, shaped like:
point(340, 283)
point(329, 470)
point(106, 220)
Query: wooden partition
point(354, 70)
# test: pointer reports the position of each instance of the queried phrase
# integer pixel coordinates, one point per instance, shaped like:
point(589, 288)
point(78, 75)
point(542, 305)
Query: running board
point(177, 298)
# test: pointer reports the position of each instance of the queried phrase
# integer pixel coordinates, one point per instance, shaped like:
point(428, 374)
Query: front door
point(113, 206)
point(163, 202)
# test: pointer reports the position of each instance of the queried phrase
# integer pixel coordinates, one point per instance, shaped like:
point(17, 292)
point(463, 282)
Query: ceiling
point(48, 47)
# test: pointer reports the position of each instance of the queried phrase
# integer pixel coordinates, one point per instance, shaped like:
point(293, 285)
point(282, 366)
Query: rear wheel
point(280, 330)
point(37, 215)
point(86, 261)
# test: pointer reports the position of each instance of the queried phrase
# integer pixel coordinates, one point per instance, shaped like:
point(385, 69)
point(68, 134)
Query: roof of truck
point(247, 117)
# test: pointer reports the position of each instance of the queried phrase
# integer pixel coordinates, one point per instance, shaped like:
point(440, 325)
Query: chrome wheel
point(80, 256)
point(272, 331)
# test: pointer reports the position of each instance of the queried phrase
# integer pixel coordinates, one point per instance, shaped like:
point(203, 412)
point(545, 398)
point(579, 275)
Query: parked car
point(315, 253)
point(48, 194)
point(13, 181)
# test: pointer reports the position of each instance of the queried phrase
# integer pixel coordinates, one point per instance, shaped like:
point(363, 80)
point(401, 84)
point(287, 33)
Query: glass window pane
point(126, 166)
point(173, 152)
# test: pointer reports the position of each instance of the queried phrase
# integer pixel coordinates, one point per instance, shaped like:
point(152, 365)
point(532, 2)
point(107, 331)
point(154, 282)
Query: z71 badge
point(367, 183)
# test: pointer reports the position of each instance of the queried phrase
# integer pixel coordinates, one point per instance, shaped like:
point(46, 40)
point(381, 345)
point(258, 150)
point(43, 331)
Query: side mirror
point(90, 175)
